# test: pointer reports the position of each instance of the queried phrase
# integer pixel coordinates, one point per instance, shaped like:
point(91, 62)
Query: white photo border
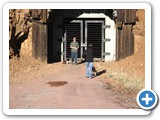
point(16, 5)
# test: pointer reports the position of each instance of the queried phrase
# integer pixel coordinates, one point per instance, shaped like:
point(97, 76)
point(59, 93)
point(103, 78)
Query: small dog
point(94, 71)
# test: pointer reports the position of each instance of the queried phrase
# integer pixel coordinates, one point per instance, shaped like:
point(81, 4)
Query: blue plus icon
point(147, 99)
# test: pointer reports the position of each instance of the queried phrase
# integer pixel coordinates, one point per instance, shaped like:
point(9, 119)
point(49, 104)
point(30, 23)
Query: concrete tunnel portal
point(88, 26)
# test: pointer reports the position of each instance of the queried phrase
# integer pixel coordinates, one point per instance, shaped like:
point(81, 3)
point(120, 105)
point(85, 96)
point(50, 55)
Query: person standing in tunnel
point(74, 50)
point(88, 55)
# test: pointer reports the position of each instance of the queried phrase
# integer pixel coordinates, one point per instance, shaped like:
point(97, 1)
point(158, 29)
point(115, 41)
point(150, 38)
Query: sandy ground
point(78, 92)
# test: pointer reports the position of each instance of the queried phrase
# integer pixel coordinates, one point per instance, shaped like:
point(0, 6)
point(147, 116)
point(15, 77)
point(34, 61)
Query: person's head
point(74, 39)
point(90, 45)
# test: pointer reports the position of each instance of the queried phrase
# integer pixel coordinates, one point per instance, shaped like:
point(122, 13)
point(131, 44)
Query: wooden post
point(126, 18)
point(40, 35)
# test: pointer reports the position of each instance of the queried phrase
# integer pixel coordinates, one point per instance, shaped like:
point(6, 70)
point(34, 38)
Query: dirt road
point(78, 92)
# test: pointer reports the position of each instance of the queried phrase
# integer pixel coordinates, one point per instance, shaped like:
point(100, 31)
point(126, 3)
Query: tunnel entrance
point(112, 36)
point(86, 31)
point(88, 26)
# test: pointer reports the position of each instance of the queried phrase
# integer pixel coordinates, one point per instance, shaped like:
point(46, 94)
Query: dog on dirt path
point(98, 69)
point(94, 71)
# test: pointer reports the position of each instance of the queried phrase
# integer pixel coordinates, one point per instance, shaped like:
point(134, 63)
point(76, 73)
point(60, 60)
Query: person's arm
point(84, 55)
point(72, 46)
point(77, 46)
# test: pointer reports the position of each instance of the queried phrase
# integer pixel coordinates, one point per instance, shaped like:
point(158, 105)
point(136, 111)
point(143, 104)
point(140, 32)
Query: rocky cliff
point(20, 33)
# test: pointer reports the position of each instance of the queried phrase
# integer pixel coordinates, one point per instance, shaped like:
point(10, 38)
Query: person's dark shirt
point(89, 55)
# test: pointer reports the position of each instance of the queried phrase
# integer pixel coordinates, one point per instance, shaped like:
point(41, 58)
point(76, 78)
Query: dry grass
point(123, 79)
point(125, 87)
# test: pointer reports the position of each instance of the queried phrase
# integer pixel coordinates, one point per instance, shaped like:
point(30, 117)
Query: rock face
point(139, 32)
point(20, 33)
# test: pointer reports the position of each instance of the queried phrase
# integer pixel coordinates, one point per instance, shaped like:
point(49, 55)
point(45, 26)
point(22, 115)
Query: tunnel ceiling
point(78, 12)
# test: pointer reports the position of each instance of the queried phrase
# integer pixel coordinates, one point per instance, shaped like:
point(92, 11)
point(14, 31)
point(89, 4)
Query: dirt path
point(79, 92)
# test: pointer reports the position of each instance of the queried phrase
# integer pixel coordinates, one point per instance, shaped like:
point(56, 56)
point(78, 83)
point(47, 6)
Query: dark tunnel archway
point(56, 23)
